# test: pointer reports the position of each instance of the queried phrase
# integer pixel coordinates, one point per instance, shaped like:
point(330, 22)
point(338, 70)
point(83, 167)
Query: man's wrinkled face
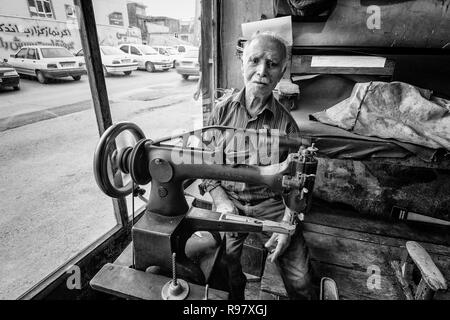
point(262, 66)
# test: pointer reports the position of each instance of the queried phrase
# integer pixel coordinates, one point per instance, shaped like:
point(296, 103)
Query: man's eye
point(255, 60)
point(271, 64)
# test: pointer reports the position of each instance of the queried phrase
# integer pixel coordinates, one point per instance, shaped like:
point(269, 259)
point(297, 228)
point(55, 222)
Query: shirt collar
point(240, 99)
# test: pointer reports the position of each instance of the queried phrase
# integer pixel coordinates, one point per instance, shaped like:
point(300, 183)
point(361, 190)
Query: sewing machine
point(159, 238)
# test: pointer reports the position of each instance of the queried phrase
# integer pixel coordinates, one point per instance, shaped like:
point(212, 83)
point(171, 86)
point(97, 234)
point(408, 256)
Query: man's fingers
point(275, 254)
point(271, 241)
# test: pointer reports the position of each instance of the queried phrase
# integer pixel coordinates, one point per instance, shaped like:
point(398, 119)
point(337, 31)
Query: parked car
point(170, 52)
point(9, 76)
point(147, 57)
point(44, 62)
point(188, 65)
point(114, 60)
point(182, 48)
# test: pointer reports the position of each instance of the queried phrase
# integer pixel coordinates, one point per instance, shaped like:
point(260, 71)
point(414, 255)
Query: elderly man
point(254, 107)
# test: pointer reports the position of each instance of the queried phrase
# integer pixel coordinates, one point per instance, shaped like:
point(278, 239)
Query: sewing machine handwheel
point(110, 162)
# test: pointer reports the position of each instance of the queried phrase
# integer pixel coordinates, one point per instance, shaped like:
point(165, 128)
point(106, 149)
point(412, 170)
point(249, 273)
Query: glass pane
point(155, 94)
point(56, 53)
point(31, 54)
point(32, 6)
point(51, 207)
point(47, 7)
point(39, 6)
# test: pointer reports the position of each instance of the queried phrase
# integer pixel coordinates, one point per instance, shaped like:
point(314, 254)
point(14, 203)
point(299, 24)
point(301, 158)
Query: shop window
point(52, 212)
point(40, 8)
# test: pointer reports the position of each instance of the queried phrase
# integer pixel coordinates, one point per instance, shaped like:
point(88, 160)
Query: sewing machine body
point(168, 222)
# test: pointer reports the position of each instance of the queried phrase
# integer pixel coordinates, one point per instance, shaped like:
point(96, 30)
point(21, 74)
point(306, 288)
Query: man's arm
point(281, 240)
point(222, 202)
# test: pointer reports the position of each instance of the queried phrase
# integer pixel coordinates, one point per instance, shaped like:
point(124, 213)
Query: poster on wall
point(18, 32)
point(114, 36)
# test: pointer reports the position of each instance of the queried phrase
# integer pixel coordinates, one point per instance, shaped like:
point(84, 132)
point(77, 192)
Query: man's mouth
point(261, 82)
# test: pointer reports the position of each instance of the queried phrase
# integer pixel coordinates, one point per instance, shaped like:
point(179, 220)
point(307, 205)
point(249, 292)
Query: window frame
point(24, 56)
point(116, 239)
point(74, 11)
point(28, 54)
point(43, 13)
point(125, 46)
point(139, 53)
point(102, 246)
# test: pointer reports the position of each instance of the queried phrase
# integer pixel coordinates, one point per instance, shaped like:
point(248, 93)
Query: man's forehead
point(265, 46)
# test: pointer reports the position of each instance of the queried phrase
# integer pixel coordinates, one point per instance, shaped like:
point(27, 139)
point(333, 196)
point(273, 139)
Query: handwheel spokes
point(111, 158)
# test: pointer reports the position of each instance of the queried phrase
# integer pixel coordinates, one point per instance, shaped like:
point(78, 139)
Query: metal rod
point(174, 269)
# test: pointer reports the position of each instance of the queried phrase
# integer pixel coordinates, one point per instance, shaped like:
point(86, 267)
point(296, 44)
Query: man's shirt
point(232, 112)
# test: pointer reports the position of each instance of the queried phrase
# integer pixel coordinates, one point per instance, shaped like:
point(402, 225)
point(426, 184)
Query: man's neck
point(254, 104)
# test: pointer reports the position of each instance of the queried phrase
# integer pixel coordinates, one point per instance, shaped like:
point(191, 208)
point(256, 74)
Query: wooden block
point(134, 284)
point(126, 257)
point(352, 284)
point(328, 289)
point(431, 275)
point(351, 251)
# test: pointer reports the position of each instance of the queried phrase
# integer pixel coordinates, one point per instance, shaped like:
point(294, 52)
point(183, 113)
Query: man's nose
point(262, 69)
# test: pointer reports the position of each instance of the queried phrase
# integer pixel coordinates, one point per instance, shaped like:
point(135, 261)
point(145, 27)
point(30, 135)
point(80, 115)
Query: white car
point(170, 52)
point(188, 65)
point(147, 57)
point(44, 62)
point(114, 60)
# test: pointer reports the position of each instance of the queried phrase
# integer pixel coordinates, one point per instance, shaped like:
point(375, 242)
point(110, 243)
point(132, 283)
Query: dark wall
point(404, 24)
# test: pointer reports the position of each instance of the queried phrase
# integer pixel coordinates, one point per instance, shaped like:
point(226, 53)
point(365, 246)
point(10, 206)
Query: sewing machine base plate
point(130, 283)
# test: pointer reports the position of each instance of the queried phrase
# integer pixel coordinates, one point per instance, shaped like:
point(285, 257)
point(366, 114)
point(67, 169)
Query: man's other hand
point(282, 241)
point(226, 207)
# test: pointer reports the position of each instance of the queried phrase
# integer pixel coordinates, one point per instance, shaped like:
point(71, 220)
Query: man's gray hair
point(272, 36)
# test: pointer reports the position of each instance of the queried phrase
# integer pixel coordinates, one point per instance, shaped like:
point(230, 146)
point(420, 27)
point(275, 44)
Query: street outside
point(51, 207)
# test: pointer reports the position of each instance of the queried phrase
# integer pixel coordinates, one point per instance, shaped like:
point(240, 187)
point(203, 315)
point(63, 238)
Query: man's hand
point(222, 203)
point(282, 241)
point(226, 207)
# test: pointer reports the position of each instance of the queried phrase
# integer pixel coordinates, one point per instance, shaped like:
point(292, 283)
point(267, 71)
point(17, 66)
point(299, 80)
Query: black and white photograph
point(263, 154)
